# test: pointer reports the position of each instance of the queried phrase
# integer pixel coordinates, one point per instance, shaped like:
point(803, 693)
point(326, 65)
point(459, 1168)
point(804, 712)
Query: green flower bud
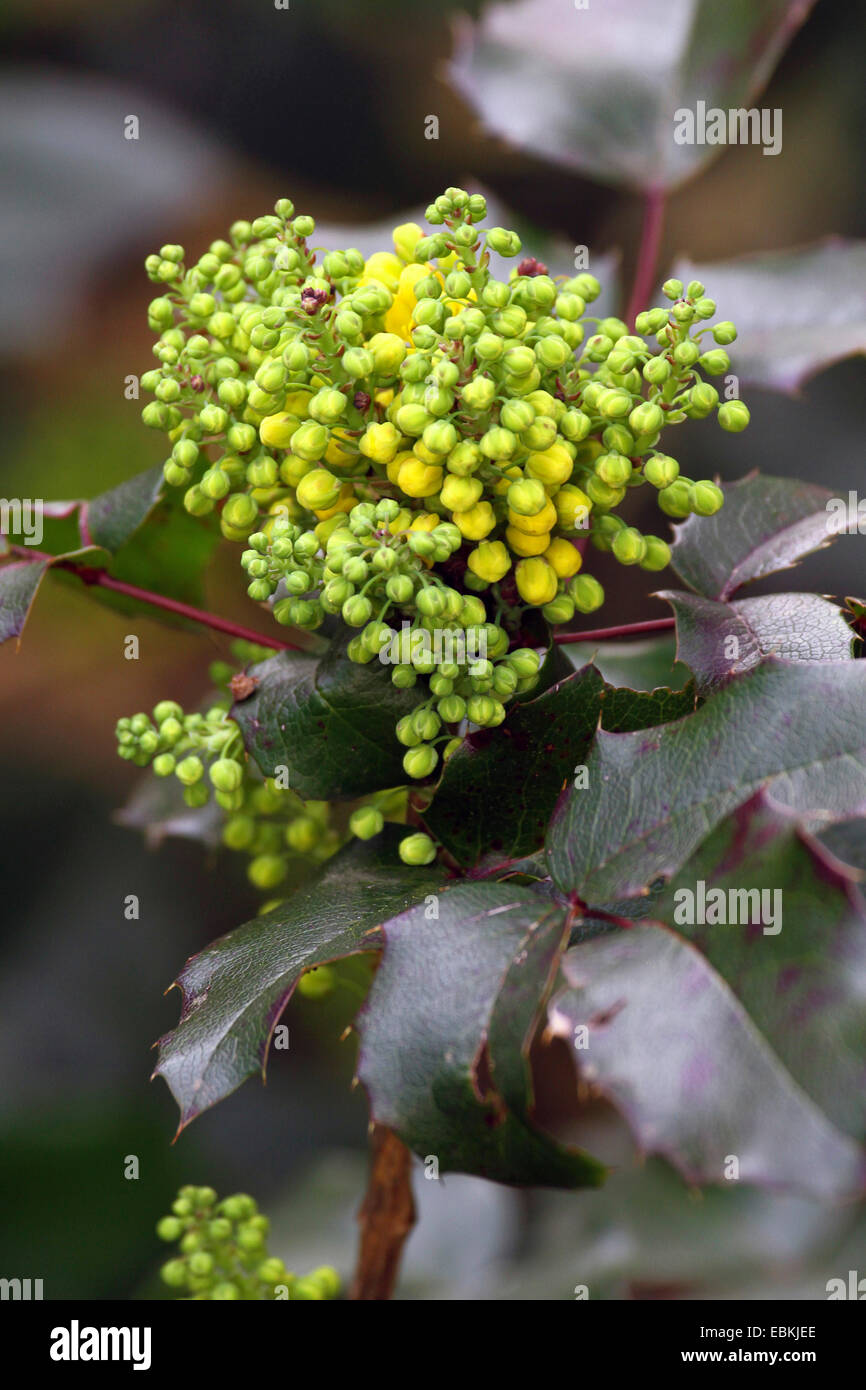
point(647, 418)
point(658, 554)
point(629, 546)
point(528, 497)
point(705, 498)
point(553, 352)
point(226, 774)
point(169, 1228)
point(164, 765)
point(613, 469)
point(661, 470)
point(417, 849)
point(704, 308)
point(587, 593)
point(267, 870)
point(240, 512)
point(215, 484)
point(419, 762)
point(725, 332)
point(189, 771)
point(734, 416)
point(357, 610)
point(366, 822)
point(656, 370)
point(503, 242)
point(674, 499)
point(310, 440)
point(174, 1274)
point(716, 361)
point(672, 289)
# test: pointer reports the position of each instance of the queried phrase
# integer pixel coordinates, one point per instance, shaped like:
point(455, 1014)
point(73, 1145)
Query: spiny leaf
point(236, 989)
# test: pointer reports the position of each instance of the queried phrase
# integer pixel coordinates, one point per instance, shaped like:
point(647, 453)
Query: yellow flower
point(344, 503)
point(419, 479)
point(554, 465)
point(564, 557)
point(489, 560)
point(380, 442)
point(276, 431)
point(406, 238)
point(425, 521)
point(298, 402)
point(544, 520)
point(402, 521)
point(537, 583)
point(572, 507)
point(477, 522)
point(393, 466)
point(522, 544)
point(459, 494)
point(385, 267)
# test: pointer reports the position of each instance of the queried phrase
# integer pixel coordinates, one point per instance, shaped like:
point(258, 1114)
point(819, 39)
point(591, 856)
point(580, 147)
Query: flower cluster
point(422, 448)
point(223, 1253)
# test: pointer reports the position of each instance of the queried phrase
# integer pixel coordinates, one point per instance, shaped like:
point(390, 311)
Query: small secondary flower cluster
point(223, 1253)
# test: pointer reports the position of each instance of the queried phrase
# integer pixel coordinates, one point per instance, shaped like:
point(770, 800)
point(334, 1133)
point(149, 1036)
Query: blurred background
point(326, 102)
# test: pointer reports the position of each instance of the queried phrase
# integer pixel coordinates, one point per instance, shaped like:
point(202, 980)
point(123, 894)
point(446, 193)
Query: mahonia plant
point(223, 1253)
point(417, 448)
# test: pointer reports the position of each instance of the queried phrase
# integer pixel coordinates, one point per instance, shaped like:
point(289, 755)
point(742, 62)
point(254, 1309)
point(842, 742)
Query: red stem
point(170, 605)
point(648, 253)
point(600, 634)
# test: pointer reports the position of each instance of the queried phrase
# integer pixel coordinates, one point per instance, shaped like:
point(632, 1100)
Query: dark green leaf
point(236, 989)
point(328, 720)
point(667, 1041)
point(654, 795)
point(794, 952)
point(599, 88)
point(796, 311)
point(499, 789)
point(424, 1026)
point(767, 524)
point(643, 665)
point(19, 583)
point(624, 710)
point(110, 519)
point(719, 641)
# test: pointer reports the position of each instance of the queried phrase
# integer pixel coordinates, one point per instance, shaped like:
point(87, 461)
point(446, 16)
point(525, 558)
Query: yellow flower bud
point(523, 544)
point(392, 468)
point(425, 521)
point(276, 431)
point(298, 402)
point(385, 267)
point(419, 479)
point(388, 352)
point(406, 238)
point(420, 450)
point(565, 559)
point(402, 521)
point(339, 454)
point(536, 580)
point(489, 560)
point(344, 503)
point(554, 465)
point(380, 442)
point(544, 520)
point(511, 475)
point(477, 522)
point(459, 494)
point(293, 469)
point(318, 488)
point(572, 507)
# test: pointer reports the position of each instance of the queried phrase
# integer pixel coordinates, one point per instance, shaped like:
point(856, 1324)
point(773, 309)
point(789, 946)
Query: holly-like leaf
point(719, 641)
point(766, 525)
point(665, 1039)
point(643, 665)
point(796, 311)
point(423, 1030)
point(499, 789)
point(235, 991)
point(19, 584)
point(600, 88)
point(110, 519)
point(785, 926)
point(625, 710)
point(329, 720)
point(652, 796)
